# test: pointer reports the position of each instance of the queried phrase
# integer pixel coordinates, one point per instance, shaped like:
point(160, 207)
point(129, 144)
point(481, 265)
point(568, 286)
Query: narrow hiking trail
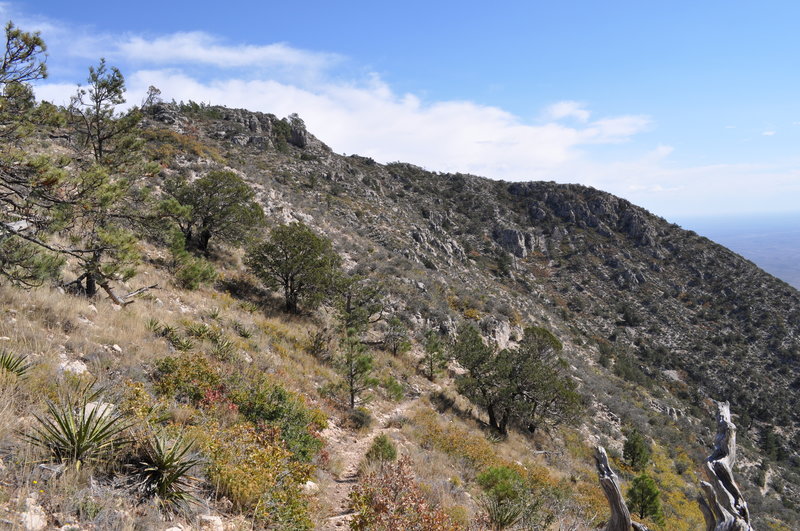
point(349, 448)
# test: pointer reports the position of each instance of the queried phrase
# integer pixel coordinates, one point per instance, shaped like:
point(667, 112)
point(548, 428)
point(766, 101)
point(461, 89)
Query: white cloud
point(370, 119)
point(366, 116)
point(768, 133)
point(567, 109)
point(202, 48)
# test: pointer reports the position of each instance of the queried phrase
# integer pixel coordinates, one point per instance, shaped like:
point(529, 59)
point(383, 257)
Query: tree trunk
point(723, 506)
point(91, 285)
point(202, 241)
point(503, 427)
point(492, 417)
point(620, 516)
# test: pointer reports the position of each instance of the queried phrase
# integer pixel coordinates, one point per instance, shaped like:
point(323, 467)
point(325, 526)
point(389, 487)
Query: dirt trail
point(349, 449)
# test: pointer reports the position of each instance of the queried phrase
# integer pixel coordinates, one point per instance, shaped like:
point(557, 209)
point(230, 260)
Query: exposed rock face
point(513, 241)
point(586, 207)
point(167, 113)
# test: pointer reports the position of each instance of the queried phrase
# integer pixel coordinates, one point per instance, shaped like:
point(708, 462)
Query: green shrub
point(382, 449)
point(190, 271)
point(394, 389)
point(359, 418)
point(186, 377)
point(502, 483)
point(262, 401)
point(193, 272)
point(255, 471)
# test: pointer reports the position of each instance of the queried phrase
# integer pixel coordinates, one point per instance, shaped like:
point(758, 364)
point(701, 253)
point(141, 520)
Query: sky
point(688, 109)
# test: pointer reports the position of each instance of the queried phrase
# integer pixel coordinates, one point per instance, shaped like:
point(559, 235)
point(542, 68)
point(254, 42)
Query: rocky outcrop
point(586, 207)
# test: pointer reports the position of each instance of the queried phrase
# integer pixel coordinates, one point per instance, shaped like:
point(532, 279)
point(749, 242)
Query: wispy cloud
point(568, 109)
point(768, 133)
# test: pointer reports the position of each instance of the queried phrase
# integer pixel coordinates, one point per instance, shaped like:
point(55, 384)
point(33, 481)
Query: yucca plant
point(14, 364)
point(78, 428)
point(155, 326)
point(198, 330)
point(242, 330)
point(223, 349)
point(162, 470)
point(501, 514)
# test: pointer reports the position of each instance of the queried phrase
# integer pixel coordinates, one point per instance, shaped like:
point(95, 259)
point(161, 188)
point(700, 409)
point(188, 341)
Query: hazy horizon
point(770, 240)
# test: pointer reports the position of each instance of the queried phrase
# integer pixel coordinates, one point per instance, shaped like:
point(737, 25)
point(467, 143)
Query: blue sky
point(686, 108)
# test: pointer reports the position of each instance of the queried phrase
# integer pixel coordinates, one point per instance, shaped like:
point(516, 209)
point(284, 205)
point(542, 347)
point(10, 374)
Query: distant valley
point(771, 241)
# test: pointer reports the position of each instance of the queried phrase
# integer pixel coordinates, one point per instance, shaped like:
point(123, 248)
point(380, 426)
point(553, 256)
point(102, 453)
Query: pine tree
point(359, 302)
point(526, 386)
point(95, 121)
point(396, 339)
point(635, 450)
point(299, 262)
point(435, 358)
point(644, 499)
point(354, 364)
point(220, 205)
point(30, 187)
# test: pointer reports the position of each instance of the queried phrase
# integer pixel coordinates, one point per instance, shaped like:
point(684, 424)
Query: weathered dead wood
point(620, 515)
point(140, 291)
point(126, 299)
point(722, 503)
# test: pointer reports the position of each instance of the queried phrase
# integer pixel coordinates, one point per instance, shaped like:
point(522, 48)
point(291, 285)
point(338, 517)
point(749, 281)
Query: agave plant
point(14, 364)
point(80, 428)
point(162, 471)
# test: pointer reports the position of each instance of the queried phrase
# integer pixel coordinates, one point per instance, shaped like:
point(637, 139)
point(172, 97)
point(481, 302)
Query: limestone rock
point(34, 517)
point(209, 522)
point(76, 367)
point(310, 487)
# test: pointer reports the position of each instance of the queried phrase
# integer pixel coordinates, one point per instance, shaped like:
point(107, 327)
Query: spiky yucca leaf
point(162, 471)
point(14, 364)
point(76, 429)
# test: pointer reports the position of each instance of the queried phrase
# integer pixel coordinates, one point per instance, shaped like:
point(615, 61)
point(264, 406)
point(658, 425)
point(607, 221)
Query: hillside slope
point(656, 323)
point(655, 304)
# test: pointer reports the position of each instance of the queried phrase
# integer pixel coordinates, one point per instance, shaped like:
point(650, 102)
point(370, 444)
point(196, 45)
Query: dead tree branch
point(620, 515)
